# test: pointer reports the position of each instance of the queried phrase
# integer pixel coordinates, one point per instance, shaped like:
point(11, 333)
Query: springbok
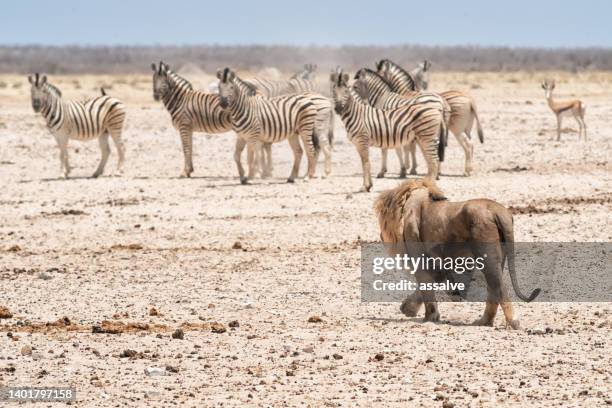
point(574, 107)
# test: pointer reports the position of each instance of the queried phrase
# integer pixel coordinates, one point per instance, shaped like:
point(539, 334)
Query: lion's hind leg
point(496, 291)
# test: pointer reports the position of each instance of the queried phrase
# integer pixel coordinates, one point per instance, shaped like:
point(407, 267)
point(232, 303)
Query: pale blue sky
point(534, 23)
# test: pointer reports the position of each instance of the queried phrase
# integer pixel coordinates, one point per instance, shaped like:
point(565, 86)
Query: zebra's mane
point(401, 70)
point(376, 76)
point(248, 87)
point(179, 80)
point(53, 89)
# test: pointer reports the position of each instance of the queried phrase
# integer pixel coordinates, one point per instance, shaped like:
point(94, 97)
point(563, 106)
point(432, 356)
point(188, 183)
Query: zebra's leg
point(468, 150)
point(364, 154)
point(431, 157)
point(120, 151)
point(267, 150)
point(413, 162)
point(62, 143)
point(559, 128)
point(187, 142)
point(105, 149)
point(400, 157)
point(294, 142)
point(328, 158)
point(252, 150)
point(311, 155)
point(383, 167)
point(240, 143)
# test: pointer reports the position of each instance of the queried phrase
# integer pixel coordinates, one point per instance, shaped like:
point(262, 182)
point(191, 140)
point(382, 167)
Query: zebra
point(368, 126)
point(303, 81)
point(258, 119)
point(379, 95)
point(190, 110)
point(463, 107)
point(95, 117)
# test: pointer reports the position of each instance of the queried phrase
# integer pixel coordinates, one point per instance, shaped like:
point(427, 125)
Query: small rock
point(178, 334)
point(379, 357)
point(5, 313)
point(237, 245)
point(154, 371)
point(26, 351)
point(290, 373)
point(234, 324)
point(172, 369)
point(337, 356)
point(14, 248)
point(45, 275)
point(128, 353)
point(153, 312)
point(308, 349)
point(217, 328)
point(448, 404)
point(315, 319)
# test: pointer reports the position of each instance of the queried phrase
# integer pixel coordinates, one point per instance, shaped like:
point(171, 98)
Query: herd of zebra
point(388, 108)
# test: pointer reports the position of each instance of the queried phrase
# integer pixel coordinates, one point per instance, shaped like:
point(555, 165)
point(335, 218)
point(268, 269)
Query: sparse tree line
point(132, 59)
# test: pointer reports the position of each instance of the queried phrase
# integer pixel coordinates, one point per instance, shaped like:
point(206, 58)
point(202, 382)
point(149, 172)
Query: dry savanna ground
point(249, 295)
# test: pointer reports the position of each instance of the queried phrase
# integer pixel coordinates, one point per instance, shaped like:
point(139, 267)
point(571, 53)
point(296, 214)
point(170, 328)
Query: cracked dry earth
point(149, 290)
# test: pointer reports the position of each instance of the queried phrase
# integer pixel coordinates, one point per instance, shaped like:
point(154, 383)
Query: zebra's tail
point(102, 91)
point(478, 126)
point(442, 139)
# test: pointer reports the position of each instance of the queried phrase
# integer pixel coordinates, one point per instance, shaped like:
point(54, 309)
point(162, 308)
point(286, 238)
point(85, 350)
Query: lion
point(418, 219)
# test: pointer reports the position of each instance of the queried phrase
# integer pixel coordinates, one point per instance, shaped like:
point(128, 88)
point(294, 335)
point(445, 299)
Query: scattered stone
point(26, 351)
point(237, 245)
point(172, 369)
point(217, 328)
point(315, 319)
point(337, 356)
point(153, 312)
point(448, 404)
point(211, 306)
point(45, 275)
point(308, 349)
point(234, 324)
point(154, 371)
point(14, 248)
point(129, 353)
point(379, 357)
point(5, 313)
point(178, 334)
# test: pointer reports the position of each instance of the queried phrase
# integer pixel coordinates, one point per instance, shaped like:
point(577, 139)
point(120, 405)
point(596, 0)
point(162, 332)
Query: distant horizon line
point(230, 45)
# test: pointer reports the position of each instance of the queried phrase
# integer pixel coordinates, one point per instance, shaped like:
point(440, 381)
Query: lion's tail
point(504, 224)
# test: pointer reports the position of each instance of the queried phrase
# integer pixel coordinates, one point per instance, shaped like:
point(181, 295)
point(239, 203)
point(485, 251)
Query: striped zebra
point(463, 107)
point(258, 119)
point(190, 110)
point(368, 126)
point(96, 117)
point(380, 95)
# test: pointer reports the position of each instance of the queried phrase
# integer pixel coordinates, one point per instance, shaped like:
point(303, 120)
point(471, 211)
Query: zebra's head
point(39, 92)
point(548, 87)
point(340, 89)
point(308, 72)
point(362, 84)
point(421, 75)
point(231, 87)
point(161, 84)
point(382, 67)
point(227, 88)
